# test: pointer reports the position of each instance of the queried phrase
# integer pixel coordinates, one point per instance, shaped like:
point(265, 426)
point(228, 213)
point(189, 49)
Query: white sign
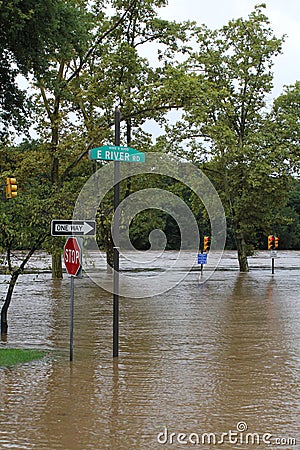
point(73, 227)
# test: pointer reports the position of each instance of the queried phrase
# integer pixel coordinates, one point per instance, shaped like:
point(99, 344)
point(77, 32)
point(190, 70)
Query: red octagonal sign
point(72, 256)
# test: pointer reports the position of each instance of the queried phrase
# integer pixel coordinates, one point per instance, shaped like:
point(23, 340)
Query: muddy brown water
point(213, 365)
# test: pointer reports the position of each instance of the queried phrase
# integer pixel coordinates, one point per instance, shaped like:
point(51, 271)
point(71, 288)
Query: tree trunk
point(109, 258)
point(4, 310)
point(56, 264)
point(242, 254)
point(55, 182)
point(13, 280)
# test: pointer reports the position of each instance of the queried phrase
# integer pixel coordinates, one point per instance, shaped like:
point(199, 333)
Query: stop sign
point(72, 256)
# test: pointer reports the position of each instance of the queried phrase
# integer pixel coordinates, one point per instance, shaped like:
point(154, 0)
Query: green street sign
point(116, 153)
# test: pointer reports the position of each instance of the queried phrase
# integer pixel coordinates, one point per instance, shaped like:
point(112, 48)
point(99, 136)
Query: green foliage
point(12, 356)
point(26, 218)
point(142, 225)
point(284, 124)
point(32, 33)
point(288, 229)
point(223, 126)
point(84, 61)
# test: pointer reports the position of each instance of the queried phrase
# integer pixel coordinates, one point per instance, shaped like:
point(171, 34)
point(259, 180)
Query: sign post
point(273, 254)
point(116, 246)
point(273, 242)
point(73, 263)
point(116, 153)
point(71, 317)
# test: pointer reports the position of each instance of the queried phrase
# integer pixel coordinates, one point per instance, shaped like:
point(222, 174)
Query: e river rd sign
point(116, 153)
point(73, 227)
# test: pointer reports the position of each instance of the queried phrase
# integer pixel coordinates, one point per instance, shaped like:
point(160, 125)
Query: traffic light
point(11, 187)
point(271, 242)
point(206, 244)
point(276, 242)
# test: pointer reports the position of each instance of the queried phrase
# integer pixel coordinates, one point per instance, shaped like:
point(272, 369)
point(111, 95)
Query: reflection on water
point(199, 358)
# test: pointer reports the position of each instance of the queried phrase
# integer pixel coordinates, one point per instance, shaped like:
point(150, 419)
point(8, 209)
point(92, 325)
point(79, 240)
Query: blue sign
point(202, 258)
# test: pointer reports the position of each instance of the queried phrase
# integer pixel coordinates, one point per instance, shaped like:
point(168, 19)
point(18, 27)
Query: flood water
point(195, 362)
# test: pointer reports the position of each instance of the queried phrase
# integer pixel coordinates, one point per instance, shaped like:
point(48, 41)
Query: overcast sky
point(283, 14)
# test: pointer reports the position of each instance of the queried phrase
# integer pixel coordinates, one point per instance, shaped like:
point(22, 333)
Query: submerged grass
point(12, 356)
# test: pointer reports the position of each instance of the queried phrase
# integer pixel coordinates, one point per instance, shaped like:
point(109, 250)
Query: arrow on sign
point(73, 228)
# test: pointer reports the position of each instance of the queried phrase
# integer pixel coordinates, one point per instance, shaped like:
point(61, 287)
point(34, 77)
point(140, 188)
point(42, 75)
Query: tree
point(117, 74)
point(25, 220)
point(30, 31)
point(85, 79)
point(285, 126)
point(89, 62)
point(224, 126)
point(23, 224)
point(38, 38)
point(288, 229)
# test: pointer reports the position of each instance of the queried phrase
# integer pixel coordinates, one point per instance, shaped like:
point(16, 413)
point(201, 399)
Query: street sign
point(72, 256)
point(202, 258)
point(273, 254)
point(73, 228)
point(116, 153)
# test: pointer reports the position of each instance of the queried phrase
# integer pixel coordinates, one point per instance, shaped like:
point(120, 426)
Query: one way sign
point(73, 228)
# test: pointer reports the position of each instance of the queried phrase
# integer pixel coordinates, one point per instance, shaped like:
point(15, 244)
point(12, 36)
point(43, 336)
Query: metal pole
point(273, 266)
point(71, 318)
point(201, 267)
point(116, 243)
